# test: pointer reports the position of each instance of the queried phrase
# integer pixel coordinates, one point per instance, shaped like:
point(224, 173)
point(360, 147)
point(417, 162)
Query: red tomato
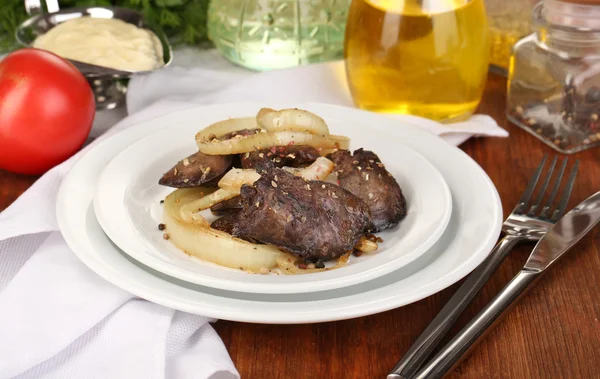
point(46, 111)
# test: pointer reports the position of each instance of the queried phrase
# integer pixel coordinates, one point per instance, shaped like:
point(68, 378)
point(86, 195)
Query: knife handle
point(441, 324)
point(461, 345)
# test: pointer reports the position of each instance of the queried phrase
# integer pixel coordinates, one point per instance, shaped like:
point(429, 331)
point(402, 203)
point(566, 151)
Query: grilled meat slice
point(291, 156)
point(364, 175)
point(196, 170)
point(313, 220)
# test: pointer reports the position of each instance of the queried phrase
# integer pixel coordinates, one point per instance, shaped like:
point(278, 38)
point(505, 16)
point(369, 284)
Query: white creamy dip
point(104, 42)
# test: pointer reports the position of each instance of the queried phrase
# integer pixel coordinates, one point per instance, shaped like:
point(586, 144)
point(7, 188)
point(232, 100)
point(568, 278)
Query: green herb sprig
point(183, 21)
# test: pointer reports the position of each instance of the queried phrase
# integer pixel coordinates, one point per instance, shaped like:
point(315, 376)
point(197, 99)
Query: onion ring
point(189, 210)
point(221, 128)
point(260, 141)
point(200, 240)
point(295, 120)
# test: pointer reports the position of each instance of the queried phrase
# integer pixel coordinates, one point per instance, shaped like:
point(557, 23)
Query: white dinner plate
point(127, 206)
point(473, 230)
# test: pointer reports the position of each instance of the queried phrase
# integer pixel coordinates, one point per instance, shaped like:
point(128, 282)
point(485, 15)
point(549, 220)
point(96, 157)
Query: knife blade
point(561, 237)
point(565, 234)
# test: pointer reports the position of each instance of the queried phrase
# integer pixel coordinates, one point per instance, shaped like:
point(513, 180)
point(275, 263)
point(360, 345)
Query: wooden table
point(552, 333)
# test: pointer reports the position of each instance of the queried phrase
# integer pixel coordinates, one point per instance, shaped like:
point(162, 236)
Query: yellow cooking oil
point(421, 57)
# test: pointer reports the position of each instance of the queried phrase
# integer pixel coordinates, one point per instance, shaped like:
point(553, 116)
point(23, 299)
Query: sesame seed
point(355, 162)
point(275, 177)
point(277, 159)
point(291, 156)
point(174, 171)
point(379, 164)
point(370, 195)
point(367, 177)
point(246, 155)
point(303, 219)
point(359, 168)
point(308, 187)
point(186, 180)
point(257, 204)
point(371, 161)
point(334, 195)
point(322, 185)
point(262, 155)
point(289, 218)
point(379, 176)
point(273, 184)
point(186, 162)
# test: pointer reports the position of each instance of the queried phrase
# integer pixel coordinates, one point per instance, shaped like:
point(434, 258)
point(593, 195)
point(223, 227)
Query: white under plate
point(473, 230)
point(127, 205)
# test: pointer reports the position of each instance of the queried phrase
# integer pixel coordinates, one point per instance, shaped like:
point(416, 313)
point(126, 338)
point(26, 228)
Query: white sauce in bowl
point(104, 42)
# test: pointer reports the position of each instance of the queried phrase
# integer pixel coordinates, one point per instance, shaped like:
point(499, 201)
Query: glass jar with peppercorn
point(554, 76)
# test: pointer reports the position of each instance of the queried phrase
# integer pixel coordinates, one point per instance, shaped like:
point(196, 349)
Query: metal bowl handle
point(34, 7)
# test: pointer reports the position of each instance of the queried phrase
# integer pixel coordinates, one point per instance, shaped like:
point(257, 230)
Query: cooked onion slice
point(295, 120)
point(260, 141)
point(366, 245)
point(318, 170)
point(221, 128)
point(236, 178)
point(189, 210)
point(200, 240)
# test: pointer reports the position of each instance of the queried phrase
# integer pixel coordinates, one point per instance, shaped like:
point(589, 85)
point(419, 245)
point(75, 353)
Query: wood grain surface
point(553, 333)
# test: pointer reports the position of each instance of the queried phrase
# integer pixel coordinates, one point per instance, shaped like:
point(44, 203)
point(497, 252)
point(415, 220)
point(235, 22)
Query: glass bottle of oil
point(422, 57)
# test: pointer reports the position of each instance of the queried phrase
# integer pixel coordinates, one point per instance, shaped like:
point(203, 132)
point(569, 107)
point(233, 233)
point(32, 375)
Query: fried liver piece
point(313, 220)
point(363, 174)
point(233, 205)
point(225, 223)
point(291, 156)
point(196, 170)
point(201, 169)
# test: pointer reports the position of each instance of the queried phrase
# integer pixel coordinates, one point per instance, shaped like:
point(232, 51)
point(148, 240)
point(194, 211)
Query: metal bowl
point(109, 85)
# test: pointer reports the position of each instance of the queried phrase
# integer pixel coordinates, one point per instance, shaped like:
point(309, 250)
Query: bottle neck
point(567, 26)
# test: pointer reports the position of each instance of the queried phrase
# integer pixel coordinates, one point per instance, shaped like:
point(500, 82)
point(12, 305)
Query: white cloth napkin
point(324, 83)
point(60, 320)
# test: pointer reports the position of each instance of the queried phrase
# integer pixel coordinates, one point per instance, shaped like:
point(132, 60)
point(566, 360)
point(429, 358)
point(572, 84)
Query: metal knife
point(560, 238)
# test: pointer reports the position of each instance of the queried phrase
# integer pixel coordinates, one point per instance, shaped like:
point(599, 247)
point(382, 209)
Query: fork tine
point(530, 187)
point(562, 205)
point(542, 190)
point(546, 210)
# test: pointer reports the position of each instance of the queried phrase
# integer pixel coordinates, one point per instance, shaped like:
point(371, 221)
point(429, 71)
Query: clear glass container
point(554, 76)
point(421, 57)
point(268, 34)
point(510, 20)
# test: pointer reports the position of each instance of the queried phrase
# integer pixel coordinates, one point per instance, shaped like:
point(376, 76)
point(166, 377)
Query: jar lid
point(582, 14)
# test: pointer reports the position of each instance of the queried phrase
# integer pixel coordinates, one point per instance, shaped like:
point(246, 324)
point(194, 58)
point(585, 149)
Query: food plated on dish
point(292, 198)
point(129, 204)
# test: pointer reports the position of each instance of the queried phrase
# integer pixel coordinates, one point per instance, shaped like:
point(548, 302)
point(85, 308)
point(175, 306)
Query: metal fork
point(523, 224)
